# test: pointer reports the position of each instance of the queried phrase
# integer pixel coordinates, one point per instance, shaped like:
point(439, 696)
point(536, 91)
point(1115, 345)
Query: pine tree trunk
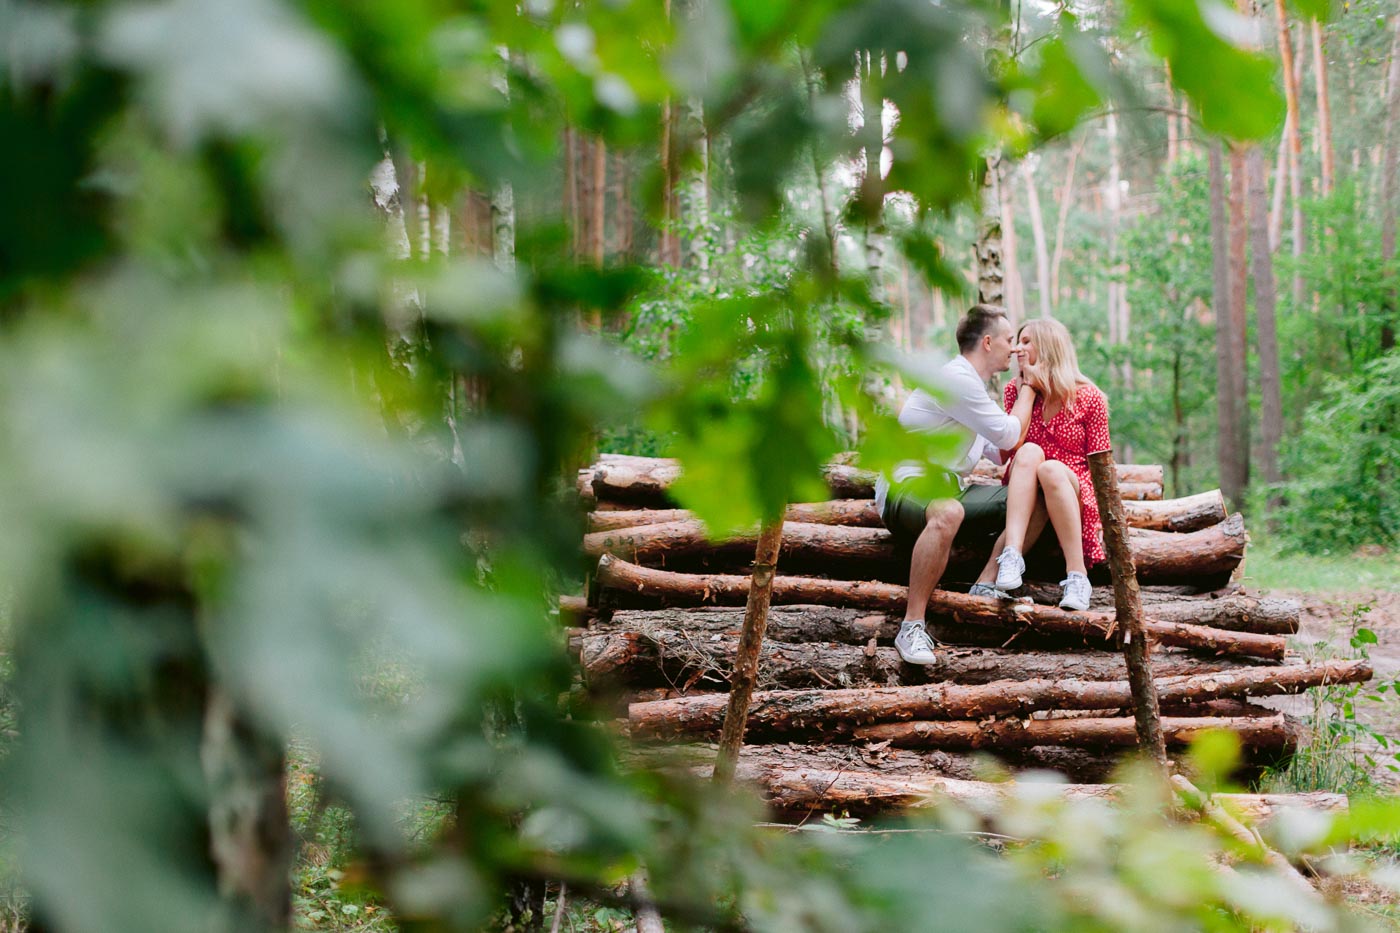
point(1391, 164)
point(571, 214)
point(600, 201)
point(1173, 128)
point(1236, 332)
point(1227, 401)
point(1014, 285)
point(1262, 268)
point(1042, 254)
point(1293, 134)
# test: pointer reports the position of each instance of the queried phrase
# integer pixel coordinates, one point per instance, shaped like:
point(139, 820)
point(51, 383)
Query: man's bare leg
point(930, 557)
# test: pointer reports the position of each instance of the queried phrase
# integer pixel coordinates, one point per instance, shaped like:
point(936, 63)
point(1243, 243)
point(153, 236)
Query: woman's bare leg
point(1061, 490)
point(1022, 493)
point(1037, 524)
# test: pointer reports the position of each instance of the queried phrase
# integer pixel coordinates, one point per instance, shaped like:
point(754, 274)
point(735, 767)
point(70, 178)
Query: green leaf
point(1063, 93)
point(1235, 90)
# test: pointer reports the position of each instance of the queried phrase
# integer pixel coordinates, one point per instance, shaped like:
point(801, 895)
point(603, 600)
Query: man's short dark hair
point(976, 324)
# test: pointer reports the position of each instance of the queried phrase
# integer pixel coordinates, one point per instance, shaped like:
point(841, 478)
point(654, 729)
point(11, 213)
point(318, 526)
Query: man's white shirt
point(966, 410)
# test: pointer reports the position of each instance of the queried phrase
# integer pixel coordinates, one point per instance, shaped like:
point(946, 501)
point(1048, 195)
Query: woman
point(1069, 421)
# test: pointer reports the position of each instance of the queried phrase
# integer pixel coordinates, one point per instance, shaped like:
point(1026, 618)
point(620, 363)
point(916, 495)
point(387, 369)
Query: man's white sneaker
point(1076, 592)
point(914, 644)
point(1010, 567)
point(987, 591)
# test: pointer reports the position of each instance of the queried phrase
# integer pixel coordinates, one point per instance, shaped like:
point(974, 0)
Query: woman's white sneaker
point(1010, 568)
point(1076, 592)
point(914, 644)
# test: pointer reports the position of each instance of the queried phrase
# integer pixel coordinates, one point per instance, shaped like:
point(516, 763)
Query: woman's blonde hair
point(1059, 366)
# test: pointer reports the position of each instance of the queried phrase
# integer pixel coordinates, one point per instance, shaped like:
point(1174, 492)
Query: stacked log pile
point(1033, 684)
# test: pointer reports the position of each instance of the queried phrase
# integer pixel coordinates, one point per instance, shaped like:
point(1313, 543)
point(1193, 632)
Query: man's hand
point(1030, 375)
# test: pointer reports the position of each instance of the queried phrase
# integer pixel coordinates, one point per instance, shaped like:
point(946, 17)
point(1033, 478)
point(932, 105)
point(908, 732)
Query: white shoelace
point(917, 637)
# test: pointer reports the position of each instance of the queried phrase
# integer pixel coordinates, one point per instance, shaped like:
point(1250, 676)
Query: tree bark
point(1293, 136)
point(644, 481)
point(810, 790)
point(1189, 513)
point(1324, 111)
point(1161, 556)
point(600, 198)
point(745, 676)
point(991, 274)
point(1269, 615)
point(658, 656)
point(1014, 286)
point(680, 589)
point(1273, 733)
point(1266, 330)
point(827, 713)
point(1230, 346)
point(1146, 714)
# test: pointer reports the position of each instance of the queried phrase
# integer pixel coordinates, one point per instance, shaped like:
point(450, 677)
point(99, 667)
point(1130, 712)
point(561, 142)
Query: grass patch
point(1269, 569)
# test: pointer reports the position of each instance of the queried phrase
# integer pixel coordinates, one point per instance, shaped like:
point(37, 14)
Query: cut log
point(1273, 733)
point(646, 480)
point(860, 513)
point(796, 713)
point(1189, 513)
point(802, 790)
point(1267, 615)
point(668, 657)
point(722, 589)
point(1160, 556)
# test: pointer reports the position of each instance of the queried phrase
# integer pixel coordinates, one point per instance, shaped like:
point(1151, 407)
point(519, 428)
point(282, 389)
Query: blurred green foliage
point(250, 451)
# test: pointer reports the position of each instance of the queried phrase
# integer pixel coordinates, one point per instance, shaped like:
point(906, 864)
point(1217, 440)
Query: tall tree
point(991, 272)
point(1293, 135)
point(1391, 164)
point(1262, 268)
point(1324, 111)
point(1042, 254)
point(1230, 449)
point(1066, 200)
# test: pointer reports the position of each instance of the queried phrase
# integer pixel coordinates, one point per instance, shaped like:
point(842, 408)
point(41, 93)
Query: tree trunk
point(1269, 615)
point(1128, 605)
point(1280, 185)
point(1390, 166)
point(1014, 286)
point(679, 589)
point(1324, 111)
point(745, 675)
point(1230, 344)
point(991, 274)
point(1042, 255)
point(1066, 201)
point(872, 193)
point(1262, 267)
point(600, 198)
point(791, 790)
point(826, 713)
point(1273, 733)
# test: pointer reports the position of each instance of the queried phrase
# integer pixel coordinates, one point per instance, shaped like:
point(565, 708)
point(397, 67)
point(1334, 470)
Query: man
point(976, 514)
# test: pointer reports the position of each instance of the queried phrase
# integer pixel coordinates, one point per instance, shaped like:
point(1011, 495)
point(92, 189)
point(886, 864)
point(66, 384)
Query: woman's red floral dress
point(1070, 437)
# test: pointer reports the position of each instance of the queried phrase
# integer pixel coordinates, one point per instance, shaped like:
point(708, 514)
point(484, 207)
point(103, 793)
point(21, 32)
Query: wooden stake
point(745, 676)
point(1129, 603)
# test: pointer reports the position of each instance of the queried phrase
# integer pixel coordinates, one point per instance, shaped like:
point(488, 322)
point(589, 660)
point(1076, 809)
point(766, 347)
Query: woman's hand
point(1030, 374)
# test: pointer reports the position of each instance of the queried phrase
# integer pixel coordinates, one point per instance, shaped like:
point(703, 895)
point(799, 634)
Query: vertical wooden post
point(745, 676)
point(1128, 600)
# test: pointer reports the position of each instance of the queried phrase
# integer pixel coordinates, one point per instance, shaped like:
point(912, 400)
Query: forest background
point(311, 309)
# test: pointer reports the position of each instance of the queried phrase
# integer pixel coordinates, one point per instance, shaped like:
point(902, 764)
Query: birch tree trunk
point(1042, 254)
point(1324, 110)
point(1066, 201)
point(991, 275)
point(872, 195)
point(1262, 267)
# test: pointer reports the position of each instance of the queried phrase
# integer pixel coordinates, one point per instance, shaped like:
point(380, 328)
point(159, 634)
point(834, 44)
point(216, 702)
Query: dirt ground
point(1328, 623)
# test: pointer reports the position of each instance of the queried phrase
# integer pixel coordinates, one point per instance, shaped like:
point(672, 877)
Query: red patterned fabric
point(1070, 437)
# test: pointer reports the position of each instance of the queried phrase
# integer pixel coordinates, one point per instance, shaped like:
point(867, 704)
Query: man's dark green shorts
point(984, 514)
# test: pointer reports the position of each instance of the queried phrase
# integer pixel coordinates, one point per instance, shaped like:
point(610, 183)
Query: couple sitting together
point(1054, 418)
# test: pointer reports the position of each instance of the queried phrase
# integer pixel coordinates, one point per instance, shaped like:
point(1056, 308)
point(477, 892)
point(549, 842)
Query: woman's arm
point(1020, 399)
